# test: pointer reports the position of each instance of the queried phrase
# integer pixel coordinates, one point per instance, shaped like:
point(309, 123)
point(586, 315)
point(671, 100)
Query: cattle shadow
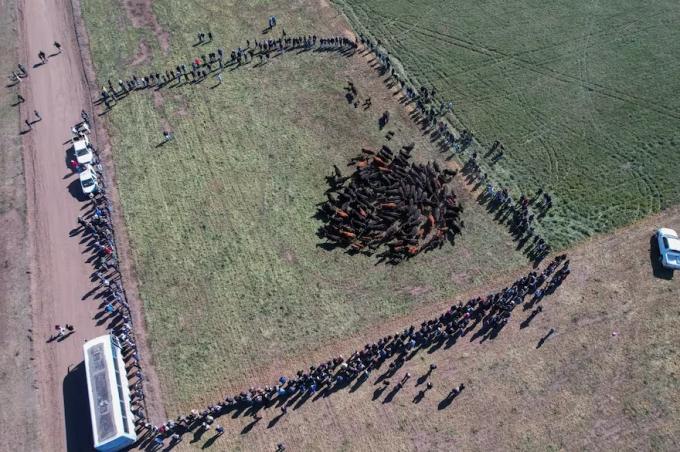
point(658, 270)
point(77, 411)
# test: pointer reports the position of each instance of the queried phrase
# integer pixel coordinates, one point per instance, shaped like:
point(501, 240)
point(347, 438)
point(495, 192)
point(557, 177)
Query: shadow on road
point(77, 411)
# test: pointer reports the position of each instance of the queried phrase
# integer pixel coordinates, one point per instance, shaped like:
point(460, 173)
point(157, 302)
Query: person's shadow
point(250, 426)
point(378, 392)
point(528, 320)
point(198, 434)
point(423, 378)
point(446, 402)
point(392, 394)
point(658, 270)
point(545, 338)
point(211, 441)
point(275, 420)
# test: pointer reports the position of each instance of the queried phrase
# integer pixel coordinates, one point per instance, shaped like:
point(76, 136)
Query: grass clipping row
point(390, 207)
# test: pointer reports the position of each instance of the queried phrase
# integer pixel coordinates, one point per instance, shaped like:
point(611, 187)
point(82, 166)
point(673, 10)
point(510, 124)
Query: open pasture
point(582, 94)
point(221, 219)
point(236, 290)
point(606, 379)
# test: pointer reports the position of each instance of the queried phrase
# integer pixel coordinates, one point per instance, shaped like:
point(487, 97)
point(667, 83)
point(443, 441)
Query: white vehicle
point(88, 180)
point(83, 150)
point(83, 138)
point(113, 423)
point(669, 248)
point(80, 129)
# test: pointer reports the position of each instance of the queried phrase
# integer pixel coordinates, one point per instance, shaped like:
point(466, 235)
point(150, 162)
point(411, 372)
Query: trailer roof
point(100, 391)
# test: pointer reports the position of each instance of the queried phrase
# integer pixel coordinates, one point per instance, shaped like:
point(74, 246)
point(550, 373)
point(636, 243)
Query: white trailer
point(113, 426)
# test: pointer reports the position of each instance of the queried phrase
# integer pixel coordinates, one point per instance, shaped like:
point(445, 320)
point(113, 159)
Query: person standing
point(158, 440)
point(57, 46)
point(61, 331)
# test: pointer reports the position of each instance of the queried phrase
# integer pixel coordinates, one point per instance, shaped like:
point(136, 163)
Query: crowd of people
point(429, 112)
point(203, 65)
point(460, 320)
point(16, 77)
point(520, 215)
point(492, 312)
point(320, 380)
point(96, 225)
point(516, 213)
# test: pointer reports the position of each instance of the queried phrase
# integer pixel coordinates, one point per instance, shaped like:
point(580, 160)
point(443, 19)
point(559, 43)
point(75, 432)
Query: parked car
point(83, 151)
point(88, 180)
point(669, 248)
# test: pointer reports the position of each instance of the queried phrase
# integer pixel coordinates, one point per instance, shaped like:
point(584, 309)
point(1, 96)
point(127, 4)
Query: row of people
point(203, 65)
point(96, 225)
point(430, 111)
point(492, 311)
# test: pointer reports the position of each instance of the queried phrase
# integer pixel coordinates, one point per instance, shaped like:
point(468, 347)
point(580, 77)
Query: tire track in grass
point(605, 32)
point(582, 66)
point(615, 37)
point(560, 76)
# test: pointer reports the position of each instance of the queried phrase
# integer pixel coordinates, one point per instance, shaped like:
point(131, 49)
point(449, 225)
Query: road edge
point(153, 394)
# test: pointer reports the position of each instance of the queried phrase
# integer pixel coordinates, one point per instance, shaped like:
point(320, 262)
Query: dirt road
point(61, 288)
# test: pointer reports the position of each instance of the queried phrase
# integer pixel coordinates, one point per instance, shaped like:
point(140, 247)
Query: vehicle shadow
point(658, 270)
point(77, 411)
point(76, 191)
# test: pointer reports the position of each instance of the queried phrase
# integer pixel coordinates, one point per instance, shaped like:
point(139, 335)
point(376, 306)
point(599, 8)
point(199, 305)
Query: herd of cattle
point(391, 204)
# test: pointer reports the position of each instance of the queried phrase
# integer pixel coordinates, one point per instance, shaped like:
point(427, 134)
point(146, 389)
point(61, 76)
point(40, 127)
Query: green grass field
point(583, 94)
point(221, 219)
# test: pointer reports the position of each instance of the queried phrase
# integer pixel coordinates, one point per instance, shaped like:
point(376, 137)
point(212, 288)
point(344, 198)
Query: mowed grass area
point(221, 219)
point(583, 95)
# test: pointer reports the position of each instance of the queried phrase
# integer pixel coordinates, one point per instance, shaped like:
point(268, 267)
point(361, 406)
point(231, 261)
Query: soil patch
point(141, 15)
